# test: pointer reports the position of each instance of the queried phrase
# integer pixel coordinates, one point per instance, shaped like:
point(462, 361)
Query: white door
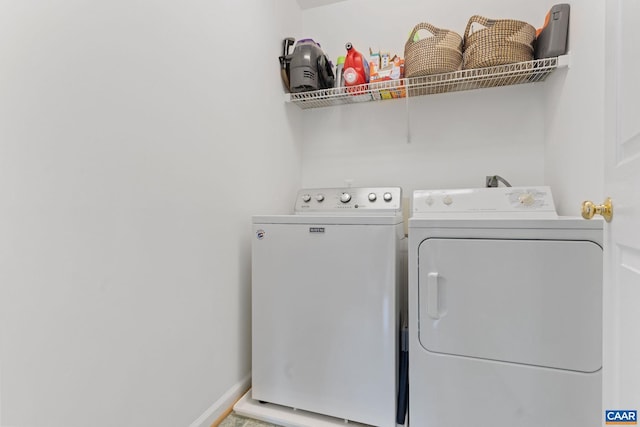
point(621, 358)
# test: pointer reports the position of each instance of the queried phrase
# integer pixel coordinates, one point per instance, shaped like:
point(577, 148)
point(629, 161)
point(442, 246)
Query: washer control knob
point(345, 197)
point(306, 198)
point(387, 197)
point(447, 200)
point(526, 199)
point(372, 197)
point(320, 197)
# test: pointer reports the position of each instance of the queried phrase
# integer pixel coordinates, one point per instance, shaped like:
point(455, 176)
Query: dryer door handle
point(433, 307)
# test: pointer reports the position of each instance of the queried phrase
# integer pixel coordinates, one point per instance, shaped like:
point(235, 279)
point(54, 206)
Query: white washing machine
point(326, 303)
point(505, 311)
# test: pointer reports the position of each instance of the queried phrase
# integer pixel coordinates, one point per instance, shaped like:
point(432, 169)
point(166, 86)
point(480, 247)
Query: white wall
point(457, 138)
point(136, 139)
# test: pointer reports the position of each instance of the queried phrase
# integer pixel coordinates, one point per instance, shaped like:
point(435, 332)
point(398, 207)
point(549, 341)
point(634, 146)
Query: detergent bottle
point(356, 67)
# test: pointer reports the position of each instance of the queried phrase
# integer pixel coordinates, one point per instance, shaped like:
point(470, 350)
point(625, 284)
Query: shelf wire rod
point(408, 111)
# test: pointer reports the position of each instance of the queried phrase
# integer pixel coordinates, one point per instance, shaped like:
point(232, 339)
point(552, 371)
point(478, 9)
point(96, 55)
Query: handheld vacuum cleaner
point(307, 68)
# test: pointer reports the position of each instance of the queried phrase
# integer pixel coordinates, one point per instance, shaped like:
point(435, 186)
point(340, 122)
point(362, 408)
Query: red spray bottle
point(356, 68)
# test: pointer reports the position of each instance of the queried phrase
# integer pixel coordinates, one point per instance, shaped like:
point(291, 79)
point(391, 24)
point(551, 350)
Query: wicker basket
point(502, 41)
point(441, 53)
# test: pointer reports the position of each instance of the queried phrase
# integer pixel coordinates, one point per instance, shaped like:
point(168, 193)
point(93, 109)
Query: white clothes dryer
point(505, 311)
point(326, 304)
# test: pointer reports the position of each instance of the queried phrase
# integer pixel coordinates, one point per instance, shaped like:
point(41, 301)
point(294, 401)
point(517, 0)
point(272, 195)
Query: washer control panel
point(349, 200)
point(500, 202)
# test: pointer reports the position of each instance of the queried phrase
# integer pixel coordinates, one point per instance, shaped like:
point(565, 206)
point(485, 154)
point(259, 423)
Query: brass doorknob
point(589, 209)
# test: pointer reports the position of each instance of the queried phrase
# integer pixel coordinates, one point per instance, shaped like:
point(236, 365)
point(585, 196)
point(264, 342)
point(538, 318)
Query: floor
point(233, 420)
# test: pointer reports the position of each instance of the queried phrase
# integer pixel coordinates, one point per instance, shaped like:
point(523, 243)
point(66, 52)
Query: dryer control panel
point(349, 200)
point(501, 202)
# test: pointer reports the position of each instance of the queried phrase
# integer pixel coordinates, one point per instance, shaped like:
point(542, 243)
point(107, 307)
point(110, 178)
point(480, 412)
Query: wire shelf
point(502, 75)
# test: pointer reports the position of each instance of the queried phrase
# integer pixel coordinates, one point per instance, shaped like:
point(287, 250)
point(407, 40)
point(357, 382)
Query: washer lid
point(500, 202)
point(329, 219)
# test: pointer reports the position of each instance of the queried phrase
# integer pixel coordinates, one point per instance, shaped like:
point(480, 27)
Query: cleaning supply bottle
point(339, 72)
point(356, 67)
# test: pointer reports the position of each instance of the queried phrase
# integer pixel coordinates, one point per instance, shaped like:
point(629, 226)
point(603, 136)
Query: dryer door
point(534, 302)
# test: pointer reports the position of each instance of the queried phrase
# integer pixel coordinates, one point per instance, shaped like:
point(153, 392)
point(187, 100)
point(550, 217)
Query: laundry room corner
point(574, 107)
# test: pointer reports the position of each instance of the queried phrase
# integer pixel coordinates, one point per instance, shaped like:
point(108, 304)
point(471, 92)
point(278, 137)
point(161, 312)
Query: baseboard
point(224, 404)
